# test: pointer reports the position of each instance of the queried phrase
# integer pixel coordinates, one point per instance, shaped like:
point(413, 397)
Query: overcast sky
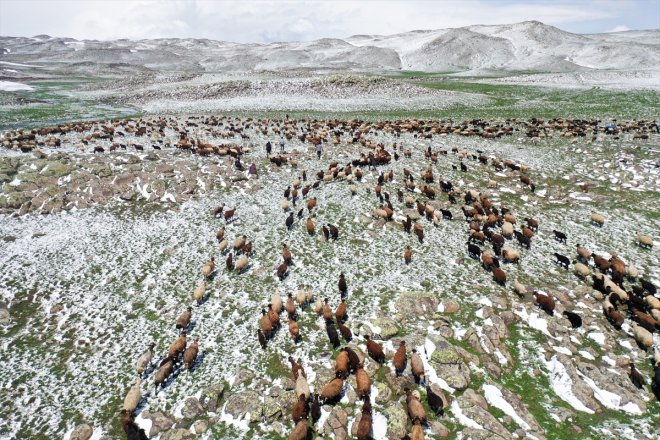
point(250, 21)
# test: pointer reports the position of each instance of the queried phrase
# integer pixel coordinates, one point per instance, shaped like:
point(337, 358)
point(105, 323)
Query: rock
point(159, 422)
point(450, 306)
point(619, 384)
point(242, 375)
point(388, 327)
point(192, 408)
point(127, 195)
point(271, 408)
point(580, 388)
point(508, 317)
point(413, 305)
point(384, 393)
point(211, 396)
point(241, 404)
point(516, 402)
point(336, 423)
point(55, 168)
point(448, 363)
point(471, 405)
point(397, 419)
point(438, 429)
point(356, 423)
point(177, 434)
point(412, 213)
point(82, 432)
point(201, 426)
point(55, 309)
point(5, 317)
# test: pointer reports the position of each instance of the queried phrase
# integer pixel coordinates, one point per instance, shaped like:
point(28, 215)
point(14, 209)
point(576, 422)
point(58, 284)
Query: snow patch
point(563, 385)
point(495, 398)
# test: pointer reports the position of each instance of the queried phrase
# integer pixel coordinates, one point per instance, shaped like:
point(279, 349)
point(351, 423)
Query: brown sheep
point(190, 354)
point(375, 350)
point(365, 425)
point(239, 243)
point(165, 370)
point(282, 270)
point(417, 432)
point(345, 331)
point(208, 268)
point(265, 324)
point(546, 302)
point(183, 321)
point(614, 317)
point(290, 306)
point(300, 432)
point(326, 310)
point(310, 226)
point(300, 409)
point(400, 358)
point(220, 234)
point(407, 255)
point(294, 330)
point(342, 365)
point(332, 390)
point(341, 312)
point(286, 255)
point(343, 287)
point(363, 382)
point(499, 276)
point(419, 232)
point(262, 339)
point(296, 368)
point(178, 346)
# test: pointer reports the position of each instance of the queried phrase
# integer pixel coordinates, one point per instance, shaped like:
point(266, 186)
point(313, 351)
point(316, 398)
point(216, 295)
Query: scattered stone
point(5, 317)
point(177, 434)
point(82, 432)
point(192, 408)
point(336, 423)
point(201, 426)
point(242, 403)
point(211, 396)
point(160, 422)
point(397, 419)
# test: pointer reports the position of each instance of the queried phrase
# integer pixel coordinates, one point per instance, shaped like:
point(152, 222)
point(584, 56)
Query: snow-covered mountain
point(526, 46)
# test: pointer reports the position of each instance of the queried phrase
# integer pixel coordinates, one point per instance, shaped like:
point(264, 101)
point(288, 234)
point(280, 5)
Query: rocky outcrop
point(82, 432)
point(411, 305)
point(448, 363)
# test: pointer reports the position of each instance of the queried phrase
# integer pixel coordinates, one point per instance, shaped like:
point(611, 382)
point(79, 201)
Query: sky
point(252, 21)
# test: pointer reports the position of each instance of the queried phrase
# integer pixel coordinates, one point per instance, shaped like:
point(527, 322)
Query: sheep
point(302, 387)
point(282, 270)
point(407, 255)
point(208, 268)
point(342, 365)
point(643, 337)
point(289, 221)
point(519, 288)
point(301, 297)
point(318, 306)
point(262, 339)
point(507, 229)
point(532, 223)
point(417, 366)
point(652, 301)
point(183, 321)
point(332, 390)
point(223, 246)
point(132, 430)
point(419, 231)
point(363, 381)
point(310, 226)
point(400, 358)
point(644, 240)
point(345, 331)
point(510, 255)
point(133, 397)
point(326, 311)
point(343, 286)
point(332, 334)
point(581, 269)
point(273, 316)
point(290, 305)
point(562, 260)
point(632, 272)
point(341, 312)
point(417, 433)
point(300, 431)
point(644, 319)
point(499, 276)
point(241, 263)
point(299, 411)
point(597, 219)
point(239, 243)
point(316, 408)
point(636, 377)
point(375, 350)
point(296, 369)
point(144, 361)
point(574, 318)
point(415, 408)
point(474, 251)
point(545, 302)
point(165, 370)
point(265, 324)
point(365, 425)
point(229, 262)
point(560, 236)
point(190, 355)
point(219, 235)
point(583, 253)
point(294, 329)
point(276, 302)
point(614, 317)
point(286, 255)
point(178, 346)
point(436, 398)
point(284, 205)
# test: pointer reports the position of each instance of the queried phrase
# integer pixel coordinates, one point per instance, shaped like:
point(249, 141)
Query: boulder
point(160, 422)
point(397, 420)
point(192, 408)
point(388, 327)
point(336, 423)
point(177, 434)
point(413, 305)
point(5, 317)
point(242, 404)
point(82, 432)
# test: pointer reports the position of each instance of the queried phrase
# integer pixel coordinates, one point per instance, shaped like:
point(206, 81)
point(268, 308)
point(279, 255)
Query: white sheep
point(133, 397)
point(642, 336)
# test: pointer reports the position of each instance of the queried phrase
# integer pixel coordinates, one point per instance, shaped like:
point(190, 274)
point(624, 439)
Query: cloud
point(287, 20)
point(619, 28)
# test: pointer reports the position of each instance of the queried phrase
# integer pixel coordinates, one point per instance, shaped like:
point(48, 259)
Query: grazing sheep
point(345, 331)
point(644, 240)
point(632, 272)
point(365, 425)
point(239, 243)
point(499, 276)
point(132, 430)
point(183, 321)
point(581, 269)
point(341, 312)
point(190, 355)
point(645, 320)
point(583, 253)
point(417, 366)
point(400, 358)
point(133, 397)
point(415, 409)
point(510, 255)
point(507, 229)
point(545, 302)
point(273, 316)
point(419, 232)
point(326, 310)
point(229, 262)
point(296, 369)
point(301, 297)
point(643, 337)
point(300, 431)
point(241, 263)
point(343, 286)
point(652, 301)
point(614, 317)
point(636, 377)
point(417, 433)
point(220, 234)
point(532, 223)
point(282, 270)
point(363, 381)
point(289, 221)
point(519, 288)
point(318, 306)
point(597, 219)
point(474, 251)
point(284, 205)
point(276, 302)
point(265, 324)
point(375, 350)
point(316, 408)
point(560, 236)
point(574, 318)
point(332, 390)
point(144, 361)
point(332, 334)
point(290, 306)
point(223, 246)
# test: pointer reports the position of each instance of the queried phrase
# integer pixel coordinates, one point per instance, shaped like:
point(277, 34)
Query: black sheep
point(560, 236)
point(576, 320)
point(562, 260)
point(474, 251)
